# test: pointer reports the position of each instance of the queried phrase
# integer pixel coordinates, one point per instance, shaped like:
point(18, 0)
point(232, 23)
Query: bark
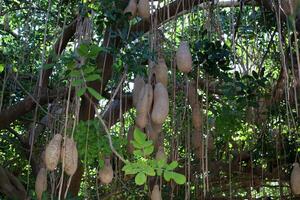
point(11, 186)
point(28, 104)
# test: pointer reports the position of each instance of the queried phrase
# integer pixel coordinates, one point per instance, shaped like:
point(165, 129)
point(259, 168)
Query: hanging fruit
point(41, 183)
point(153, 130)
point(69, 154)
point(184, 57)
point(130, 147)
point(139, 83)
point(52, 152)
point(160, 154)
point(192, 94)
point(197, 143)
point(295, 179)
point(143, 8)
point(196, 116)
point(144, 105)
point(156, 194)
point(161, 104)
point(131, 8)
point(161, 72)
point(106, 174)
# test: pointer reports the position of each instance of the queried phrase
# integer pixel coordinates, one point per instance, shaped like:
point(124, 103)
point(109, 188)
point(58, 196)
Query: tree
point(68, 67)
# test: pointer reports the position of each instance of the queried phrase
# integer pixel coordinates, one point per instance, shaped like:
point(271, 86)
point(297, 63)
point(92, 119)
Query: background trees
point(245, 78)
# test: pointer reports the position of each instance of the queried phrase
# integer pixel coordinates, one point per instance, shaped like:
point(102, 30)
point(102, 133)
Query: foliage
point(144, 166)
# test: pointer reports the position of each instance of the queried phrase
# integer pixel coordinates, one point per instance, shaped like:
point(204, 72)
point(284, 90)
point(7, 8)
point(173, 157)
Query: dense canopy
point(159, 99)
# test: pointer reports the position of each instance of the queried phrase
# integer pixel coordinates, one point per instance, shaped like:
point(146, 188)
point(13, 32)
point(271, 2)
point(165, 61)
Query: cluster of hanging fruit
point(142, 9)
point(55, 151)
point(151, 101)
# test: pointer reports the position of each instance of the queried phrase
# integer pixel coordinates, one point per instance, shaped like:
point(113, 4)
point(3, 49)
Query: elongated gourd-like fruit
point(295, 179)
point(139, 83)
point(161, 72)
point(131, 8)
point(153, 130)
point(161, 104)
point(52, 152)
point(156, 194)
point(197, 139)
point(144, 105)
point(69, 154)
point(192, 94)
point(160, 154)
point(130, 147)
point(196, 116)
point(143, 9)
point(106, 174)
point(41, 183)
point(184, 57)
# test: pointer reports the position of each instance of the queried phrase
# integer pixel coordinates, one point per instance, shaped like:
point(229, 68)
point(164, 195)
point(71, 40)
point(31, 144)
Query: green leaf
point(148, 143)
point(47, 66)
point(159, 172)
point(140, 178)
point(94, 50)
point(161, 163)
point(167, 175)
point(1, 67)
point(83, 50)
point(139, 136)
point(81, 92)
point(92, 77)
point(149, 170)
point(77, 82)
point(172, 165)
point(148, 150)
point(94, 93)
point(178, 178)
point(136, 144)
point(138, 153)
point(89, 69)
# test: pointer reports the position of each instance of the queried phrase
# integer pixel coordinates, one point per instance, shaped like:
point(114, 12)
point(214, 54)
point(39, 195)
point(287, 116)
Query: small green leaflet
point(81, 92)
point(140, 178)
point(1, 67)
point(94, 93)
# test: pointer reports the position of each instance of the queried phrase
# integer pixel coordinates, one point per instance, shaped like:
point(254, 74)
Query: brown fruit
point(143, 9)
point(131, 8)
point(160, 154)
point(184, 57)
point(70, 156)
point(106, 174)
point(196, 116)
point(144, 105)
point(295, 179)
point(210, 142)
point(161, 72)
point(139, 83)
point(161, 104)
point(41, 183)
point(192, 94)
point(153, 130)
point(156, 194)
point(197, 143)
point(52, 152)
point(130, 147)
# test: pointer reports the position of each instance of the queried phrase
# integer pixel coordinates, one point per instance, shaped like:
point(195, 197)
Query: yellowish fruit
point(161, 104)
point(69, 154)
point(184, 57)
point(161, 72)
point(144, 105)
point(52, 152)
point(160, 154)
point(139, 83)
point(143, 9)
point(156, 194)
point(131, 8)
point(106, 174)
point(41, 183)
point(295, 179)
point(197, 116)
